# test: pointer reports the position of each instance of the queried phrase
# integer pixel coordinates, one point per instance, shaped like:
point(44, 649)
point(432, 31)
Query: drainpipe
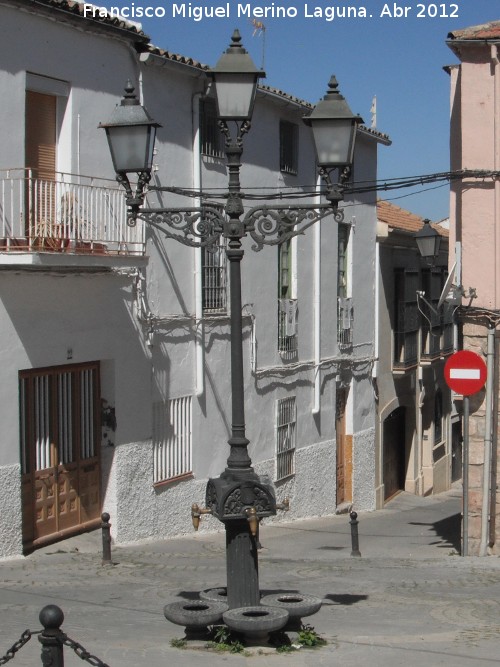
point(317, 313)
point(377, 310)
point(496, 141)
point(490, 359)
point(488, 418)
point(199, 329)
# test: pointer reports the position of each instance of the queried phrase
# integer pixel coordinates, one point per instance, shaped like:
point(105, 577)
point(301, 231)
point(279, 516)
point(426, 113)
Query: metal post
point(106, 539)
point(51, 638)
point(465, 481)
point(354, 534)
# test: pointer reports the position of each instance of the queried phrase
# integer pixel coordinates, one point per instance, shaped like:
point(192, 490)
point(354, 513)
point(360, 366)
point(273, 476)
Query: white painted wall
point(44, 314)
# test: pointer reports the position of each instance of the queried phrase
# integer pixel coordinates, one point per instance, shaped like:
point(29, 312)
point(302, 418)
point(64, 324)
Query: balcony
point(70, 215)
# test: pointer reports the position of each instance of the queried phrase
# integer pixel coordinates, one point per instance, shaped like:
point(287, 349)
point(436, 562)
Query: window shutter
point(41, 135)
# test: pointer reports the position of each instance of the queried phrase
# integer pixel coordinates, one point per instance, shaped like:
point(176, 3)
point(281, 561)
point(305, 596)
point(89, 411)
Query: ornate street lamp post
point(238, 497)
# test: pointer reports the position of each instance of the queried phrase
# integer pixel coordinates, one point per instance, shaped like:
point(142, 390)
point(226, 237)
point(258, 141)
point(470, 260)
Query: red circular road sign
point(465, 372)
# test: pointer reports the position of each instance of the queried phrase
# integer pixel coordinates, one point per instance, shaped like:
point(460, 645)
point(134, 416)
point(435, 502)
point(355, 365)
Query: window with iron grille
point(214, 278)
point(286, 421)
point(287, 305)
point(289, 144)
point(344, 303)
point(406, 318)
point(211, 139)
point(172, 439)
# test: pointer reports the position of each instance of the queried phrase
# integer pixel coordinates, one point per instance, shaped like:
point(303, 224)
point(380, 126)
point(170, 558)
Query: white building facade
point(114, 340)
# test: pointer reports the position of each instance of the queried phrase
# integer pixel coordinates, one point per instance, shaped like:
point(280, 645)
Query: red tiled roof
point(489, 30)
point(398, 218)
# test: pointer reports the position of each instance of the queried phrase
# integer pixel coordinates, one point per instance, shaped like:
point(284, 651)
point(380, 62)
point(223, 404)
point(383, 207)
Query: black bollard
point(354, 534)
point(51, 637)
point(106, 539)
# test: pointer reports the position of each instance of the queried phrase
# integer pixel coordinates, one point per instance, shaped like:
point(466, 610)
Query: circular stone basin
point(195, 615)
point(296, 604)
point(216, 594)
point(256, 622)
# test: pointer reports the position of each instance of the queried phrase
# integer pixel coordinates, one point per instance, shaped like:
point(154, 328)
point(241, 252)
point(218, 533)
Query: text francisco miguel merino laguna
point(198, 12)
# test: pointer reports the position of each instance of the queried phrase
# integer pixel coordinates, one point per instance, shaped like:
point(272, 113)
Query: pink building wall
point(475, 144)
point(475, 224)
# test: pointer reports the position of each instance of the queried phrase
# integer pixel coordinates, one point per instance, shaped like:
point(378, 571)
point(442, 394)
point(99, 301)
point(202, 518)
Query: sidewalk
point(410, 599)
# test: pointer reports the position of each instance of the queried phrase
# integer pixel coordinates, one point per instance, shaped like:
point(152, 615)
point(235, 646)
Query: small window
point(172, 439)
point(286, 420)
point(214, 278)
point(289, 140)
point(287, 305)
point(344, 303)
point(211, 139)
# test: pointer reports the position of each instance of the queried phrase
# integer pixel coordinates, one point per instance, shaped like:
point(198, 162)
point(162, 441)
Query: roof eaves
point(74, 10)
point(381, 137)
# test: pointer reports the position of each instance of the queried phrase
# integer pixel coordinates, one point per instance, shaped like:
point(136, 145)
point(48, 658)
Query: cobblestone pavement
point(409, 600)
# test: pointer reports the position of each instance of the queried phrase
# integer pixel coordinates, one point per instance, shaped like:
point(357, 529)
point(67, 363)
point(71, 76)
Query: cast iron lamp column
point(238, 497)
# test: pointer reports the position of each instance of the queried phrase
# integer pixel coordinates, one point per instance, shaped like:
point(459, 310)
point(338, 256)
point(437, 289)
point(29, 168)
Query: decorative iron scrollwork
point(272, 226)
point(199, 227)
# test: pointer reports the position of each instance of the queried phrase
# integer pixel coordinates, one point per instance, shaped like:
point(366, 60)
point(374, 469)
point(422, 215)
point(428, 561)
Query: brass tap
point(285, 505)
point(253, 520)
point(196, 512)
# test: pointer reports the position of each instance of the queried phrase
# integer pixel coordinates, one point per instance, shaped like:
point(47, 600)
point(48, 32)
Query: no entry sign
point(465, 372)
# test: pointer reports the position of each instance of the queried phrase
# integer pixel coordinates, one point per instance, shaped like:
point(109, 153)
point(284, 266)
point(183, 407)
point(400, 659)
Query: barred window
point(172, 439)
point(286, 418)
point(214, 278)
point(287, 305)
point(289, 140)
point(344, 304)
point(211, 140)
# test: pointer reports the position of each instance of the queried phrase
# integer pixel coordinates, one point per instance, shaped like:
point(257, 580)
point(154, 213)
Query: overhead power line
point(355, 187)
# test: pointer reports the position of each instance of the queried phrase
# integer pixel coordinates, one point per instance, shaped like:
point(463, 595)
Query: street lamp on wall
point(238, 497)
point(428, 242)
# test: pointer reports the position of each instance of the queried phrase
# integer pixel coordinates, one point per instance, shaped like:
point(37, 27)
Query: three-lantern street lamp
point(238, 497)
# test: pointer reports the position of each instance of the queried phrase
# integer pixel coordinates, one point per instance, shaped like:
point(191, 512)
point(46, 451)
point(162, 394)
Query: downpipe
point(490, 366)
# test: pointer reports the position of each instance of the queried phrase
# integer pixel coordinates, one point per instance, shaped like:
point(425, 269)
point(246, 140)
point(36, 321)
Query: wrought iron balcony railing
point(70, 213)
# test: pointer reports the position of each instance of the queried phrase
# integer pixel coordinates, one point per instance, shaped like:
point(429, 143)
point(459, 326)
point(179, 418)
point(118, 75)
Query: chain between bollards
point(106, 539)
point(354, 534)
point(53, 641)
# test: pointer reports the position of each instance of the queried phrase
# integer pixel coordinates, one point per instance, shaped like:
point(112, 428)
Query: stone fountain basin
point(256, 622)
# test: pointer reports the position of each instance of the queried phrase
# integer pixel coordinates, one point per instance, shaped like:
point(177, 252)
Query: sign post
point(465, 373)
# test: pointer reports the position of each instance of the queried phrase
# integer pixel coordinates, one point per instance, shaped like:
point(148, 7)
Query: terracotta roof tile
point(489, 30)
point(399, 218)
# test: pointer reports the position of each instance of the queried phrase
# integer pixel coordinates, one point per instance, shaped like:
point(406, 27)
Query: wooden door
point(60, 441)
point(341, 439)
point(394, 452)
